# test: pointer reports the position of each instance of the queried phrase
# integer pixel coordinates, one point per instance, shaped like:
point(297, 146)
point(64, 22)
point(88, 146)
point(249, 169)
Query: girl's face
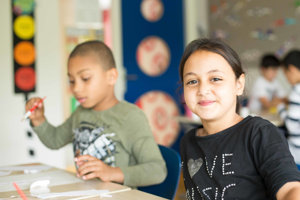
point(210, 86)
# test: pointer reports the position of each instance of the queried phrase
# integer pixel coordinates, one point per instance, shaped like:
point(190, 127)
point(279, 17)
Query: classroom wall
point(254, 28)
point(50, 63)
point(14, 142)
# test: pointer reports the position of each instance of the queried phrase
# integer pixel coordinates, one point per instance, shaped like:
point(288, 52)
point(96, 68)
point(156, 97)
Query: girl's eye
point(71, 82)
point(216, 79)
point(192, 82)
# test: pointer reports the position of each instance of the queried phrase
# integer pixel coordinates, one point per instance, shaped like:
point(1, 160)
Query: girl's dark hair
point(215, 46)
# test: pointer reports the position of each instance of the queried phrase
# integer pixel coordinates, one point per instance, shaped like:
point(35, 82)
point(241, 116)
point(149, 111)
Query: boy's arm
point(89, 167)
point(150, 167)
point(289, 191)
point(266, 104)
point(37, 116)
point(54, 137)
point(291, 114)
point(47, 133)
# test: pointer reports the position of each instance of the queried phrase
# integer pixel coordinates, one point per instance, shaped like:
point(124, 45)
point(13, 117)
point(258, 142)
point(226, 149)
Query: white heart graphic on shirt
point(194, 166)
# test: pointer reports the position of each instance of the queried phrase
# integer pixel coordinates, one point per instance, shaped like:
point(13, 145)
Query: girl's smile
point(211, 87)
point(206, 102)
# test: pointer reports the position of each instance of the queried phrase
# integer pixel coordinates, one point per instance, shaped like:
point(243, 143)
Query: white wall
point(14, 143)
point(196, 19)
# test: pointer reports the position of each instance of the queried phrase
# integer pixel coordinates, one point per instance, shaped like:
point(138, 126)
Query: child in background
point(229, 157)
point(291, 115)
point(112, 140)
point(267, 92)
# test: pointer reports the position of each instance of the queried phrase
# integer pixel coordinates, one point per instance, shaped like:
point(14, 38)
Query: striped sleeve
point(291, 115)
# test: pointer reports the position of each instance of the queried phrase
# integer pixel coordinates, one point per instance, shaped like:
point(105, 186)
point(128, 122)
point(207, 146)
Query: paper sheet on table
point(74, 193)
point(56, 177)
point(4, 173)
point(26, 169)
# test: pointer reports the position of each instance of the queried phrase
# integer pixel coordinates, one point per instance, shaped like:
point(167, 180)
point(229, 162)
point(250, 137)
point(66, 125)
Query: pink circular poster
point(153, 56)
point(152, 10)
point(161, 111)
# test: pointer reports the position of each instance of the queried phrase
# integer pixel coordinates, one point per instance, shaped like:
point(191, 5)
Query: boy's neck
point(107, 104)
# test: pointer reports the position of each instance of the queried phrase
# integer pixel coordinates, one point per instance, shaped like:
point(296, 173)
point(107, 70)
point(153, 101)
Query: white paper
point(35, 168)
point(74, 193)
point(5, 173)
point(24, 181)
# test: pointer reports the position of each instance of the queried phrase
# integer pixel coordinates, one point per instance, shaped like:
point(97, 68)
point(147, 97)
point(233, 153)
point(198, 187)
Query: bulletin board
point(153, 42)
point(255, 27)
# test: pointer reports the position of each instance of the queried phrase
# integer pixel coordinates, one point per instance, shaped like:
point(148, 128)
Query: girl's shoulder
point(255, 122)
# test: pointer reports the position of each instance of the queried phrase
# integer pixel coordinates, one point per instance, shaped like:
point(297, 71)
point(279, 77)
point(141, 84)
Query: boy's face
point(292, 74)
point(269, 73)
point(89, 82)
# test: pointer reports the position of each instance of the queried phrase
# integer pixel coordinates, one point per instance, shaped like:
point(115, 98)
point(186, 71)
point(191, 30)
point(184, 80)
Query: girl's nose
point(203, 89)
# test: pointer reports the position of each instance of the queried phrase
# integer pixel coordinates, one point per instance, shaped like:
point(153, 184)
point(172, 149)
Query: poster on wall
point(24, 53)
point(151, 57)
point(256, 27)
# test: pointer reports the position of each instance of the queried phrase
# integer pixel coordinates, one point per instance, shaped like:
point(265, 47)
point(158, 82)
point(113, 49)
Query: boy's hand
point(37, 116)
point(90, 167)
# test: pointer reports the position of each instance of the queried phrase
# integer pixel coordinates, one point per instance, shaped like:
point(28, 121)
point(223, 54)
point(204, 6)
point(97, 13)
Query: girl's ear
point(112, 76)
point(240, 85)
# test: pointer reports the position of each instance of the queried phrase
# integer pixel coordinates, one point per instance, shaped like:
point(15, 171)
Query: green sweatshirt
point(119, 136)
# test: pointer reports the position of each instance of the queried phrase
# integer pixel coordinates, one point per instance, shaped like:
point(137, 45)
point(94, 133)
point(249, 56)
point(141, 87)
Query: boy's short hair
point(95, 47)
point(292, 58)
point(269, 60)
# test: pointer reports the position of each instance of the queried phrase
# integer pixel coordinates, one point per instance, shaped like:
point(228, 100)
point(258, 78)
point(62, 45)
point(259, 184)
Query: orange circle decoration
point(153, 56)
point(24, 27)
point(152, 10)
point(25, 78)
point(161, 111)
point(24, 53)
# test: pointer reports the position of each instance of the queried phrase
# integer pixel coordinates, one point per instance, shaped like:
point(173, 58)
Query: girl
point(229, 157)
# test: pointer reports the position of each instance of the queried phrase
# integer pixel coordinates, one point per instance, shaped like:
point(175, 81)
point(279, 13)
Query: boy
point(267, 92)
point(112, 140)
point(291, 115)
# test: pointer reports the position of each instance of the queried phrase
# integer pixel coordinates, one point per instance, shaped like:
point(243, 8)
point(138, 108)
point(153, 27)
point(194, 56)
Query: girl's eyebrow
point(209, 72)
point(189, 73)
point(215, 71)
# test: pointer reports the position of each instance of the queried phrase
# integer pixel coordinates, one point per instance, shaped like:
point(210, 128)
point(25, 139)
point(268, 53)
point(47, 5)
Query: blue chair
point(167, 189)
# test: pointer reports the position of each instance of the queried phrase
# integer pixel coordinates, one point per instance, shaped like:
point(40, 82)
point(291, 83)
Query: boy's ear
point(112, 76)
point(240, 84)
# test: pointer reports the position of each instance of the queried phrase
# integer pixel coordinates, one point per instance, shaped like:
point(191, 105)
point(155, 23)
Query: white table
point(61, 181)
